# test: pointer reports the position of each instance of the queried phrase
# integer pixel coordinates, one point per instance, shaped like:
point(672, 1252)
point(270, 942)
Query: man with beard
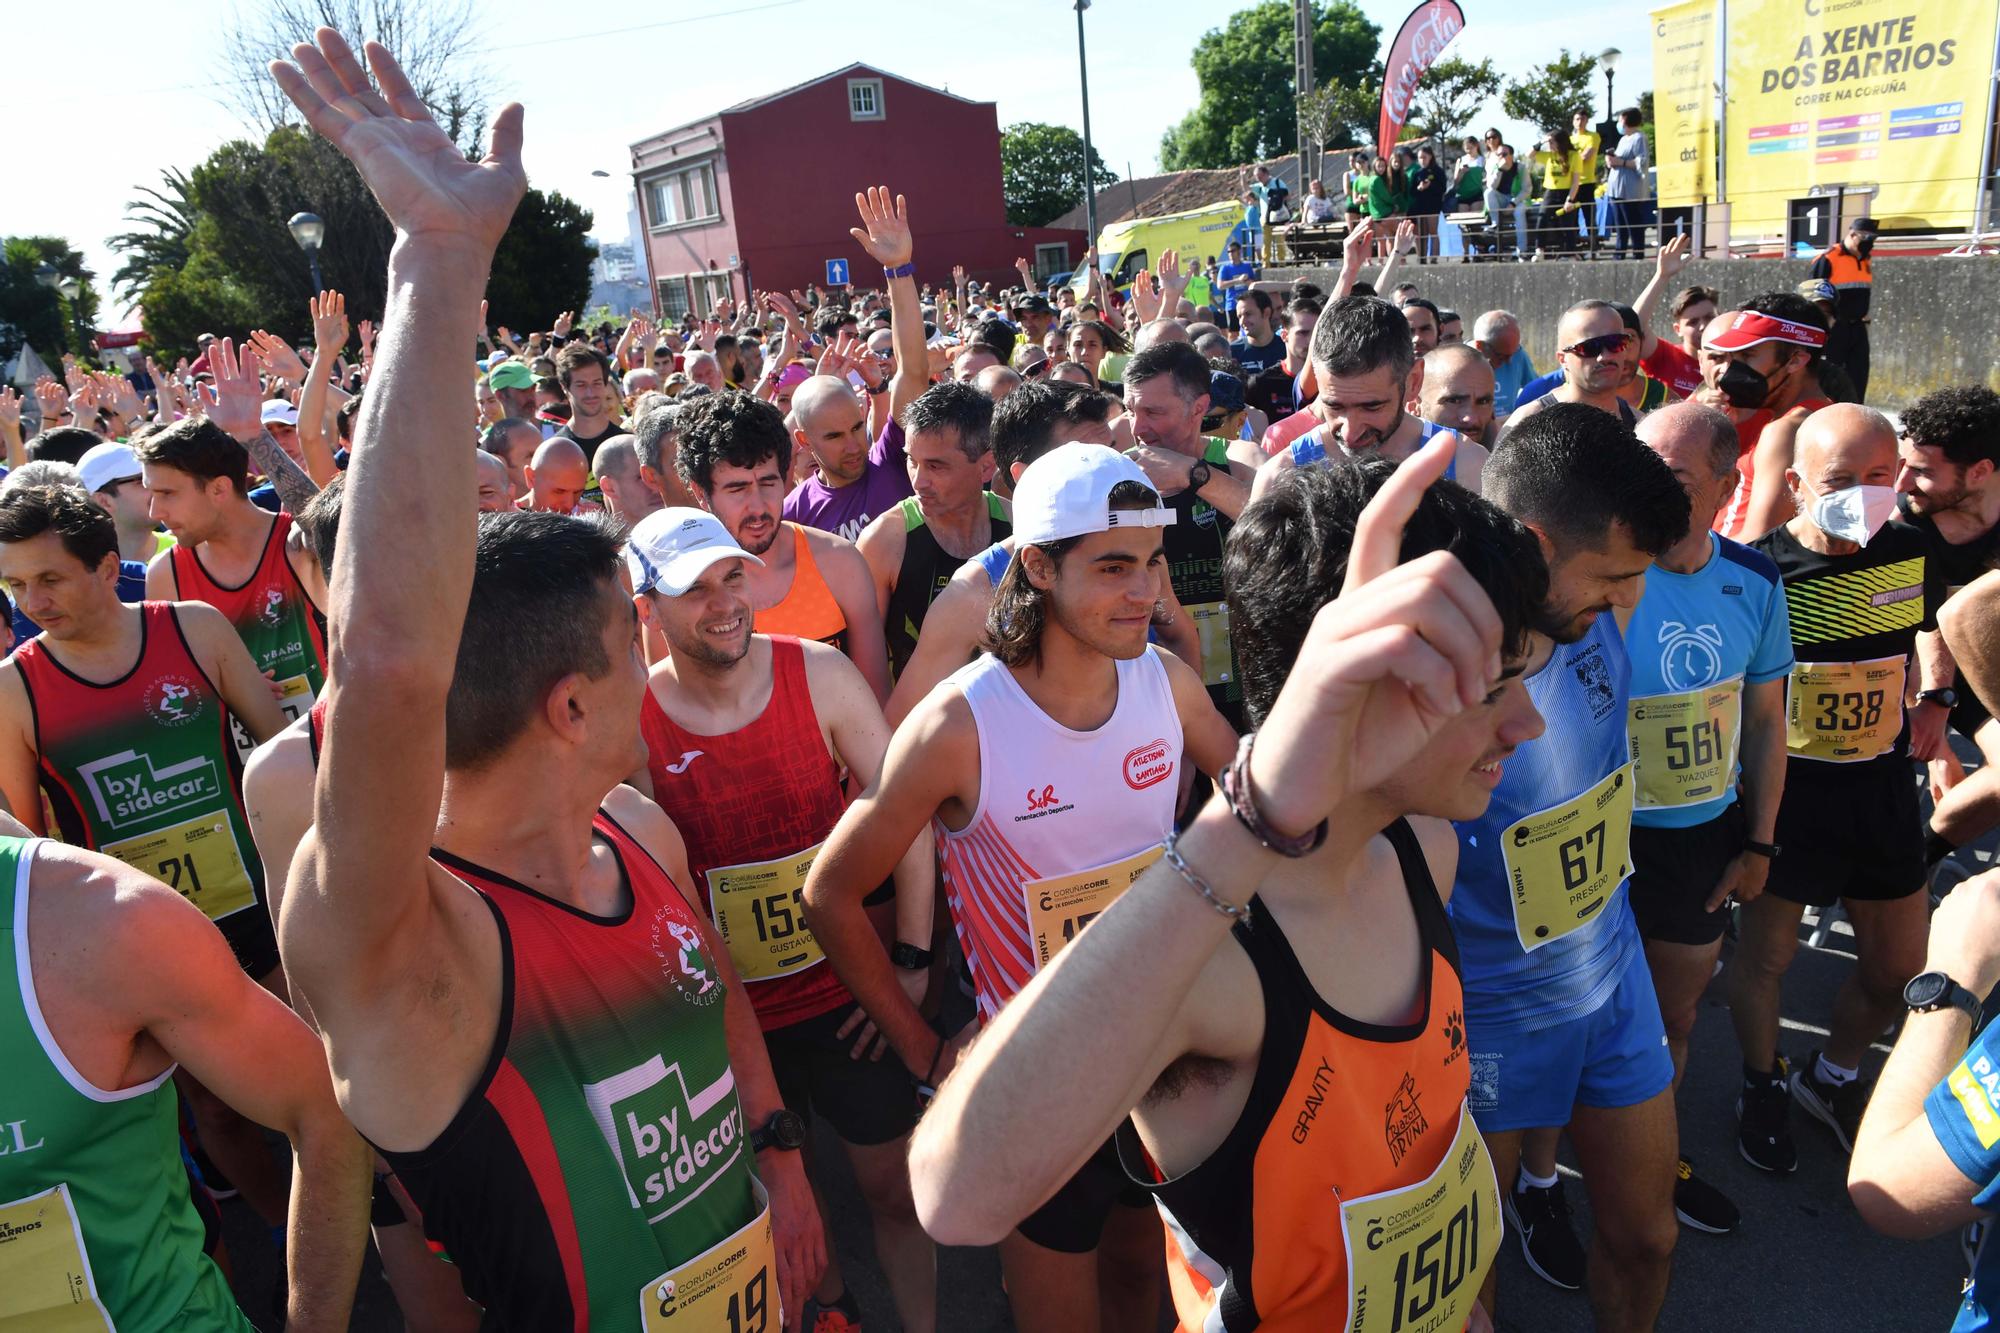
point(1562, 1022)
point(734, 455)
point(1457, 393)
point(585, 375)
point(1593, 350)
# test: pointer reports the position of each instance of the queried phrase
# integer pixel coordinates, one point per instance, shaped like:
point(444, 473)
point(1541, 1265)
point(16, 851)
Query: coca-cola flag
point(1424, 34)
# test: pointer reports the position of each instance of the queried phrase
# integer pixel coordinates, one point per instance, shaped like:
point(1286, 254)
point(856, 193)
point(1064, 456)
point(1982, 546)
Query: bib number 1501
point(1438, 1266)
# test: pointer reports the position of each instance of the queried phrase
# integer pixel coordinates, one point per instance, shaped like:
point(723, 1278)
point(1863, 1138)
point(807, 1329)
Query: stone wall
point(1936, 319)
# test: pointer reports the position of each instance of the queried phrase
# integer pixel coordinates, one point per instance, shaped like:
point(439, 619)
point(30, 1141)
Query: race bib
point(45, 1279)
point(1845, 712)
point(731, 1287)
point(1211, 623)
point(1416, 1256)
point(1684, 745)
point(1564, 863)
point(1059, 908)
point(197, 858)
point(760, 909)
point(294, 703)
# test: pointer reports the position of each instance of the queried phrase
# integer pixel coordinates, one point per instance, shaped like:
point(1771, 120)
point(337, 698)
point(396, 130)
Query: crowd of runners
point(1206, 816)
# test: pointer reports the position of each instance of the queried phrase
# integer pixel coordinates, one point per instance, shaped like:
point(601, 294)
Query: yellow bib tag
point(1844, 712)
point(1211, 624)
point(197, 858)
point(294, 703)
point(45, 1279)
point(1684, 745)
point(1564, 863)
point(760, 910)
point(1416, 1256)
point(731, 1287)
point(1059, 908)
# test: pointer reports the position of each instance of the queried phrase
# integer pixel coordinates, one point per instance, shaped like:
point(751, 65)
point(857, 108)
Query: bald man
point(1160, 331)
point(853, 480)
point(705, 370)
point(1456, 392)
point(495, 486)
point(1593, 347)
point(1860, 591)
point(512, 440)
point(557, 477)
point(996, 382)
point(965, 367)
point(626, 493)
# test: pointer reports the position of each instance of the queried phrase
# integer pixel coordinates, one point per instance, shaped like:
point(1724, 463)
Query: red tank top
point(1290, 1224)
point(1730, 519)
point(754, 806)
point(276, 619)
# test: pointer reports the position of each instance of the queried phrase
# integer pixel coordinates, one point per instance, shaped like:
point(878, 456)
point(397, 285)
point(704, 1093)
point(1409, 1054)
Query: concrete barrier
point(1935, 322)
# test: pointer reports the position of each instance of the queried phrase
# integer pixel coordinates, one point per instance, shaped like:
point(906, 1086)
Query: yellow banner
point(1890, 93)
point(1684, 102)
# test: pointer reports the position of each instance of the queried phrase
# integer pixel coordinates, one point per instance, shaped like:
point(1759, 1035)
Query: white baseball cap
point(1067, 493)
point(670, 548)
point(103, 464)
point(279, 411)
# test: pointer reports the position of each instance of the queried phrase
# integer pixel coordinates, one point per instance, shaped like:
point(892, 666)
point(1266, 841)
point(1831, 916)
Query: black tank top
point(927, 567)
point(1194, 564)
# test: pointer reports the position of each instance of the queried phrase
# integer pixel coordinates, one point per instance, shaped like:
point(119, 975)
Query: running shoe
point(1701, 1205)
point(1548, 1241)
point(833, 1318)
point(1839, 1107)
point(1763, 1124)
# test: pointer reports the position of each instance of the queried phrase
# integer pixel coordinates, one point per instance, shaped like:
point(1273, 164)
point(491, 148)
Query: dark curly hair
point(732, 427)
point(1963, 420)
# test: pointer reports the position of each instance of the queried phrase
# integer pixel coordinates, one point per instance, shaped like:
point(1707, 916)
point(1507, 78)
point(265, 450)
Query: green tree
point(1447, 96)
point(164, 221)
point(1338, 114)
point(1551, 93)
point(39, 315)
point(1041, 172)
point(1248, 109)
point(542, 267)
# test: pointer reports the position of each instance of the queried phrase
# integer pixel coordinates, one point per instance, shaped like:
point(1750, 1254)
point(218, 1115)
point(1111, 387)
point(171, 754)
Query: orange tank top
point(808, 610)
point(1353, 1192)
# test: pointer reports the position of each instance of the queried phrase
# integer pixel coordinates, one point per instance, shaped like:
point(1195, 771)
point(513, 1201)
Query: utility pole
point(1089, 178)
point(1302, 80)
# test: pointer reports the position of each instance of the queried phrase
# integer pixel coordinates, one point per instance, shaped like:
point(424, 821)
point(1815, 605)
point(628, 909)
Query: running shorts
point(1674, 870)
point(1853, 831)
point(868, 1102)
point(1614, 1056)
point(1073, 1219)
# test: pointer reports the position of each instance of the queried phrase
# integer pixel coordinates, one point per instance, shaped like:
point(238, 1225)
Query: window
point(673, 298)
point(685, 196)
point(709, 291)
point(864, 99)
point(1051, 259)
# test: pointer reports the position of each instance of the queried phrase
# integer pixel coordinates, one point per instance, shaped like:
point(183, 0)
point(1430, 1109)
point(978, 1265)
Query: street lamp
point(70, 289)
point(45, 273)
point(309, 231)
point(1089, 181)
point(1609, 59)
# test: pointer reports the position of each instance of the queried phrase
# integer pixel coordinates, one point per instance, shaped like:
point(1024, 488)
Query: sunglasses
point(1602, 345)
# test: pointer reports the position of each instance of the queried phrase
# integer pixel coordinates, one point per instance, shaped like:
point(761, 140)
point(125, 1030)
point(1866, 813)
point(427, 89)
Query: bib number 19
point(1438, 1266)
point(748, 1310)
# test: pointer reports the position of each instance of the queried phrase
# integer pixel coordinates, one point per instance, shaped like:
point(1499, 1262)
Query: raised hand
point(365, 331)
point(116, 393)
point(564, 323)
point(1673, 256)
point(1406, 236)
point(1172, 283)
point(885, 227)
point(10, 407)
point(958, 276)
point(277, 354)
point(50, 400)
point(235, 401)
point(416, 172)
point(329, 317)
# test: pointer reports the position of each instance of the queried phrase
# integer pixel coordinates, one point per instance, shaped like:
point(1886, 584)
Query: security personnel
point(1848, 268)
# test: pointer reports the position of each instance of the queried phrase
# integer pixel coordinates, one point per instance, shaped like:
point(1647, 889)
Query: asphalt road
point(1803, 1260)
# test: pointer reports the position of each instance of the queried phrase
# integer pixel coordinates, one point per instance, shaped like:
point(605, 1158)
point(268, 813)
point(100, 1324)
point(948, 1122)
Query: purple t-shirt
point(846, 510)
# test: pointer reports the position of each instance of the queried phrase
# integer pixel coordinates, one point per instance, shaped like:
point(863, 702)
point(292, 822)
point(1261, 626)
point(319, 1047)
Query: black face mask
point(1862, 248)
point(1743, 386)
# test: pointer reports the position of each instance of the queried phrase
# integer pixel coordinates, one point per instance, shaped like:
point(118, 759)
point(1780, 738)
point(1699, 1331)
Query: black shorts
point(253, 939)
point(1849, 831)
point(1969, 714)
point(1073, 1219)
point(1674, 870)
point(868, 1102)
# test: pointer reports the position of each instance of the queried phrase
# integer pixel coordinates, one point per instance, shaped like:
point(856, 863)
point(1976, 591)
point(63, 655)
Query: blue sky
point(132, 98)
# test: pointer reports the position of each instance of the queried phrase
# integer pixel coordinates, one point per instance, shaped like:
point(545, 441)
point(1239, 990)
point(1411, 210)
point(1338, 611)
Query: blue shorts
point(1614, 1056)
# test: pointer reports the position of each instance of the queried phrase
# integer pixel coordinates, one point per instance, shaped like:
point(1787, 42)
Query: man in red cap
point(1760, 364)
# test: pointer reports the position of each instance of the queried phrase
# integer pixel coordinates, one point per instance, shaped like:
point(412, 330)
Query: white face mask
point(1854, 514)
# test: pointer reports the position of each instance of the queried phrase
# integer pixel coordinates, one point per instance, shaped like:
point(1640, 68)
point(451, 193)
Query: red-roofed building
point(762, 193)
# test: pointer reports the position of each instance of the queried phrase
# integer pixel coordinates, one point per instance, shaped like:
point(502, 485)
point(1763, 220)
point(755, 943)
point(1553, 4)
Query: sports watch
point(1927, 991)
point(1198, 475)
point(1768, 850)
point(785, 1129)
point(1944, 694)
point(909, 957)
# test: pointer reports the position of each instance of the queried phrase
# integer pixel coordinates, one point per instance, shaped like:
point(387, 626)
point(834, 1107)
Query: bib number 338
point(1565, 862)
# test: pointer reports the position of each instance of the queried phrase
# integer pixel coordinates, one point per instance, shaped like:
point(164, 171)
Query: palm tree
point(165, 218)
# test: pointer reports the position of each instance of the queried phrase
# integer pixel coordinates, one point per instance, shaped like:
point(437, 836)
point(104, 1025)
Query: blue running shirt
point(1964, 1113)
point(1544, 928)
point(1697, 640)
point(1310, 448)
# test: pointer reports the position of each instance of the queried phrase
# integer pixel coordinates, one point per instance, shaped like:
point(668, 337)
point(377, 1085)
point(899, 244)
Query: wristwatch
point(909, 957)
point(1944, 694)
point(1198, 475)
point(1934, 990)
point(1768, 850)
point(785, 1129)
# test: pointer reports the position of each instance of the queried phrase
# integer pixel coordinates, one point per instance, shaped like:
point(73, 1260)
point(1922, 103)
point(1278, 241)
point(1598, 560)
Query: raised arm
point(234, 402)
point(409, 505)
point(1667, 264)
point(316, 406)
point(885, 234)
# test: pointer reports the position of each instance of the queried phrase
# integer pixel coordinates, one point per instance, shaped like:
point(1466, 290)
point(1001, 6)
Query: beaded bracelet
point(1236, 788)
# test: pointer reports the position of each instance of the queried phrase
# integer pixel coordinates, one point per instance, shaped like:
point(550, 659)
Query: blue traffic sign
point(836, 272)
